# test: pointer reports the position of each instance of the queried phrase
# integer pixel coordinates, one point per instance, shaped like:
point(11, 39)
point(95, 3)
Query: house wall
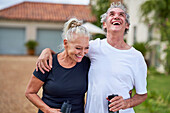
point(31, 27)
point(32, 31)
point(157, 54)
point(141, 29)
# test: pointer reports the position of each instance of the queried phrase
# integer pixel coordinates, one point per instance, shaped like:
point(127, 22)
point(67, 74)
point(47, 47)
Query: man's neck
point(116, 40)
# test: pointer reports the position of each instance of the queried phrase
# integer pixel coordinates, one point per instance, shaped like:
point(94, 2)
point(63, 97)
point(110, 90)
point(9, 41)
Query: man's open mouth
point(116, 23)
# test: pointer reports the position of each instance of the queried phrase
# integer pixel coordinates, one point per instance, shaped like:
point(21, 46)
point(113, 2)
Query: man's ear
point(104, 25)
point(127, 25)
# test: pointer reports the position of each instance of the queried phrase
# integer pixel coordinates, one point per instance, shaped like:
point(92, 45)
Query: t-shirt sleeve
point(93, 47)
point(44, 76)
point(90, 48)
point(40, 75)
point(140, 76)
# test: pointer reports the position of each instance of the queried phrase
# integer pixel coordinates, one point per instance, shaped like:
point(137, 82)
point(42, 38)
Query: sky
point(8, 3)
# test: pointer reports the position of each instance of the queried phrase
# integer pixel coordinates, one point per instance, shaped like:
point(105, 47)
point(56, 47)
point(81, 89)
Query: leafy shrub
point(156, 102)
point(152, 71)
point(141, 46)
point(31, 44)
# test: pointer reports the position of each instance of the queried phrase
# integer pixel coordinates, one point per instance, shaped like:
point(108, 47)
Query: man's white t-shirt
point(113, 71)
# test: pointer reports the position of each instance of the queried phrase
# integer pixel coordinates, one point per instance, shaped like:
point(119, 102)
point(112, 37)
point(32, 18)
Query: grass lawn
point(161, 85)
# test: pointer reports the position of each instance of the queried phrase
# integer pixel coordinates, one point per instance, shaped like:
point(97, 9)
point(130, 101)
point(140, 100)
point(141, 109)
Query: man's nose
point(116, 16)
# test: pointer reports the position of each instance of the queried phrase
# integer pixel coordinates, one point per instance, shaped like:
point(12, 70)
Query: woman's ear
point(65, 43)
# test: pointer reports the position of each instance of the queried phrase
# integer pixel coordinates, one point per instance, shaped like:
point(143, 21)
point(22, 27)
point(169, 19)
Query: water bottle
point(110, 97)
point(66, 107)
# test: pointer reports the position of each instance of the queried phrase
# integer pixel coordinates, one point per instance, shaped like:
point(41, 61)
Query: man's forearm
point(50, 50)
point(136, 100)
point(53, 52)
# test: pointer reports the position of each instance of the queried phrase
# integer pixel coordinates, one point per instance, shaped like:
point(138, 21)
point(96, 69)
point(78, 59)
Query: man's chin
point(116, 29)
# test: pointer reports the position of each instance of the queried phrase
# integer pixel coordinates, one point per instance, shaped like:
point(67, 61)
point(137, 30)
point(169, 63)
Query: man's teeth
point(116, 23)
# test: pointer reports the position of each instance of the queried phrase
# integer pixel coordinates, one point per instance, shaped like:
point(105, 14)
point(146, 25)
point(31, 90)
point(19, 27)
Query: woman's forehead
point(79, 38)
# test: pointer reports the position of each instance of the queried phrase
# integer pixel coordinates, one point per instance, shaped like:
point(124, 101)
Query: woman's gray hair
point(115, 5)
point(74, 26)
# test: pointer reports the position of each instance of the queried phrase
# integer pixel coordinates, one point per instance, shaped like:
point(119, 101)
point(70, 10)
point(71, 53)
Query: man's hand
point(41, 63)
point(117, 103)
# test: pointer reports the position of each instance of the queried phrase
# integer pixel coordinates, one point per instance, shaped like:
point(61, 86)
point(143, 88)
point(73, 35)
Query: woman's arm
point(31, 93)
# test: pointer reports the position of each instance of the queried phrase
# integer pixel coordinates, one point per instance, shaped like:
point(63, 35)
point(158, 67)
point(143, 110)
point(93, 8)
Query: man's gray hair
point(115, 5)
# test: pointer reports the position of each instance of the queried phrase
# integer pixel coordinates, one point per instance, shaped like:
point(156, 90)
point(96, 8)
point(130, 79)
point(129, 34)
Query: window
point(134, 34)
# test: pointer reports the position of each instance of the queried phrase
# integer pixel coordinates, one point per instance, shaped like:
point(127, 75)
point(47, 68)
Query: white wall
point(133, 7)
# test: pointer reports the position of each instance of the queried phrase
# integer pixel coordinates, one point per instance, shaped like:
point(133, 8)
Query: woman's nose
point(83, 52)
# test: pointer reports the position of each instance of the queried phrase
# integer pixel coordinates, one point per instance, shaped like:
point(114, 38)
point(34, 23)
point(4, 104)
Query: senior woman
point(67, 80)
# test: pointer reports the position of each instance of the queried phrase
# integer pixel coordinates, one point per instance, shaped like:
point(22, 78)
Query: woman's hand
point(41, 63)
point(52, 110)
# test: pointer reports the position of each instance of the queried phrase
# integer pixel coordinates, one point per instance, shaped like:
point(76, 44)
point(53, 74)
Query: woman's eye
point(78, 48)
point(87, 48)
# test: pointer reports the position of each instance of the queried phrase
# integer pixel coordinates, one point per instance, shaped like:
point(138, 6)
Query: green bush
point(31, 44)
point(167, 64)
point(157, 102)
point(153, 72)
point(99, 36)
point(141, 46)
